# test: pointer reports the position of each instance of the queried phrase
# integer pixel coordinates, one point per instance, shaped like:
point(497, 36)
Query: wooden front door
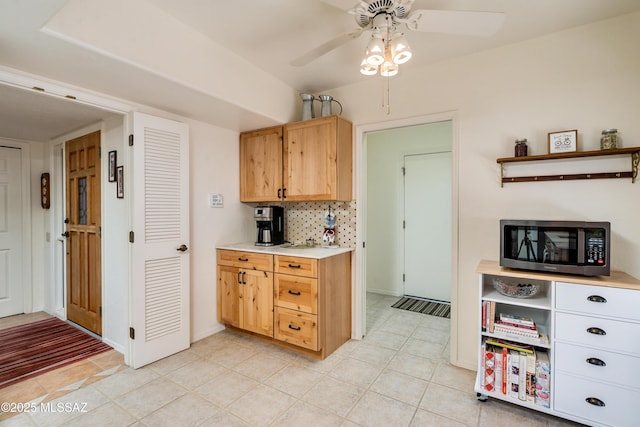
point(84, 265)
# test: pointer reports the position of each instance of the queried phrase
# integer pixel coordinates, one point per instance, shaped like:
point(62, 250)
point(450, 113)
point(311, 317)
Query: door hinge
point(363, 245)
point(404, 224)
point(403, 277)
point(131, 140)
point(100, 231)
point(131, 237)
point(99, 152)
point(132, 333)
point(100, 311)
point(404, 171)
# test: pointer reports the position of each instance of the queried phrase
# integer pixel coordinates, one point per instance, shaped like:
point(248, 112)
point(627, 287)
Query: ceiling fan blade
point(324, 48)
point(483, 24)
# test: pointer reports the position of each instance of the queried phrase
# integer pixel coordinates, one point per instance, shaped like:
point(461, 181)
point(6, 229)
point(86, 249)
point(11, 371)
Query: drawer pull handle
point(295, 328)
point(243, 259)
point(596, 298)
point(294, 293)
point(595, 401)
point(595, 361)
point(596, 331)
point(295, 266)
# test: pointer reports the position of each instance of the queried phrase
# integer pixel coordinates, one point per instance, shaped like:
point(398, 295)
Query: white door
point(160, 256)
point(11, 286)
point(427, 233)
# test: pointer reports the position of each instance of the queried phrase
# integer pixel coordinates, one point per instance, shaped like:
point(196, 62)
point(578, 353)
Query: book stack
point(516, 371)
point(517, 326)
point(488, 315)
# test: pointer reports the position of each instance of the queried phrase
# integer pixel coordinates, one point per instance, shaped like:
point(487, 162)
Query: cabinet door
point(256, 295)
point(261, 165)
point(317, 159)
point(228, 295)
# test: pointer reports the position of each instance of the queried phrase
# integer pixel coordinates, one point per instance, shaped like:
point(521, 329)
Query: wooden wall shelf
point(633, 173)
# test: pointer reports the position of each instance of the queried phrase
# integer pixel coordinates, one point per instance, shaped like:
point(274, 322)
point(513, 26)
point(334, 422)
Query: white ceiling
point(269, 34)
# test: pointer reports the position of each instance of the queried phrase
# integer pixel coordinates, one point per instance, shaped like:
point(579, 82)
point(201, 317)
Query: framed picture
point(120, 180)
point(113, 161)
point(565, 141)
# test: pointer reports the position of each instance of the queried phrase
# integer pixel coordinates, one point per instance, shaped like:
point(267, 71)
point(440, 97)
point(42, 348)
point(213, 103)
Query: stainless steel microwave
point(573, 247)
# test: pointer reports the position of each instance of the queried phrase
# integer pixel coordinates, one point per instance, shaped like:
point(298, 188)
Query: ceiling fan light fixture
point(388, 68)
point(400, 50)
point(368, 69)
point(374, 55)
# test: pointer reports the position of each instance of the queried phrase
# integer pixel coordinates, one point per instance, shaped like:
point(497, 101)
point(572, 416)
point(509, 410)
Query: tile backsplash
point(303, 220)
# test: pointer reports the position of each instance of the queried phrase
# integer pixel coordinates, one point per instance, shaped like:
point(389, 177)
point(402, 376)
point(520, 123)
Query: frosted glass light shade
point(368, 69)
point(374, 55)
point(388, 69)
point(400, 51)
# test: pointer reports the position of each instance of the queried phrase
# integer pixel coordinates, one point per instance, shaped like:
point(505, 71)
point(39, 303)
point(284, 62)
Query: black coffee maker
point(270, 223)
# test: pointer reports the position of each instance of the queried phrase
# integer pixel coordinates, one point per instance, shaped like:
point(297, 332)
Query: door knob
point(182, 248)
point(65, 234)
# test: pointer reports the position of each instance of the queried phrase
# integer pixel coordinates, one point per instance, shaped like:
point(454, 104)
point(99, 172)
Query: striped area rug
point(38, 347)
point(430, 307)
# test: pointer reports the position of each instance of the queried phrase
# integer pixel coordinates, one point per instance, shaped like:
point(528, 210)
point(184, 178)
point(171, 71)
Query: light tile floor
point(398, 375)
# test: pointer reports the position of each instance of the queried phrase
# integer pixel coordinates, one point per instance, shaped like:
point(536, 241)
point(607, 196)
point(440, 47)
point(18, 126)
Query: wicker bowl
point(515, 290)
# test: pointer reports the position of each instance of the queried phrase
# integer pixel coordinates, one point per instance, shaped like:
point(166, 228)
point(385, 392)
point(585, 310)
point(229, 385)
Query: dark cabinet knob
point(596, 331)
point(596, 298)
point(595, 401)
point(596, 362)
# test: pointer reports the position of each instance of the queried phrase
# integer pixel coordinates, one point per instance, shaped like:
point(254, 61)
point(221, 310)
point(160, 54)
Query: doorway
point(11, 216)
point(427, 226)
point(380, 263)
point(83, 232)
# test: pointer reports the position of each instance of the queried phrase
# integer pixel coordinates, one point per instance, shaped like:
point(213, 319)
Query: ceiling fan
point(383, 17)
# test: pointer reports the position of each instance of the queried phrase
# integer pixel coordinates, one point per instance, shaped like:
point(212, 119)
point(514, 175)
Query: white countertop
point(316, 252)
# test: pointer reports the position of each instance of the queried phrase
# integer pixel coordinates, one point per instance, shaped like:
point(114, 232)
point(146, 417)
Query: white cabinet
point(597, 341)
point(590, 329)
point(504, 378)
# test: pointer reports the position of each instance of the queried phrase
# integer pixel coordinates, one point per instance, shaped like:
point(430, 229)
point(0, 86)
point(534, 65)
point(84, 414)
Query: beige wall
point(585, 78)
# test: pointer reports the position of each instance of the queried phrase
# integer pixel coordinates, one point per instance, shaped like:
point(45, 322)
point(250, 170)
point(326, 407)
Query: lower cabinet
point(591, 329)
point(302, 303)
point(597, 341)
point(245, 295)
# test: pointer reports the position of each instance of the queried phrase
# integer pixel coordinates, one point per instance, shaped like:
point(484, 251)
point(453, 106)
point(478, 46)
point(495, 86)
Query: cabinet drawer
point(597, 364)
point(622, 303)
point(248, 260)
point(296, 293)
point(605, 333)
point(296, 266)
point(620, 408)
point(297, 328)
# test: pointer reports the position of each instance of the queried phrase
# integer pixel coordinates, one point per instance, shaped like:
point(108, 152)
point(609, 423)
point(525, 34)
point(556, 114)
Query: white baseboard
point(384, 292)
point(203, 334)
point(117, 347)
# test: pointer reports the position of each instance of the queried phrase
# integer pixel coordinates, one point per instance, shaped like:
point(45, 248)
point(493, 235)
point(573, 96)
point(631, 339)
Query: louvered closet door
point(160, 200)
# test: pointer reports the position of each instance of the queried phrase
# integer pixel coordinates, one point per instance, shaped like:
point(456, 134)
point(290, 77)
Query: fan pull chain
point(386, 95)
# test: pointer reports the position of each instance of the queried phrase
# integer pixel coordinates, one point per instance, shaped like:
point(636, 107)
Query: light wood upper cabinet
point(318, 159)
point(261, 165)
point(301, 161)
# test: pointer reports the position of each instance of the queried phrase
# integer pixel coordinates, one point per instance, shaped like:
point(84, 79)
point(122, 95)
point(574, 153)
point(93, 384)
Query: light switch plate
point(215, 200)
